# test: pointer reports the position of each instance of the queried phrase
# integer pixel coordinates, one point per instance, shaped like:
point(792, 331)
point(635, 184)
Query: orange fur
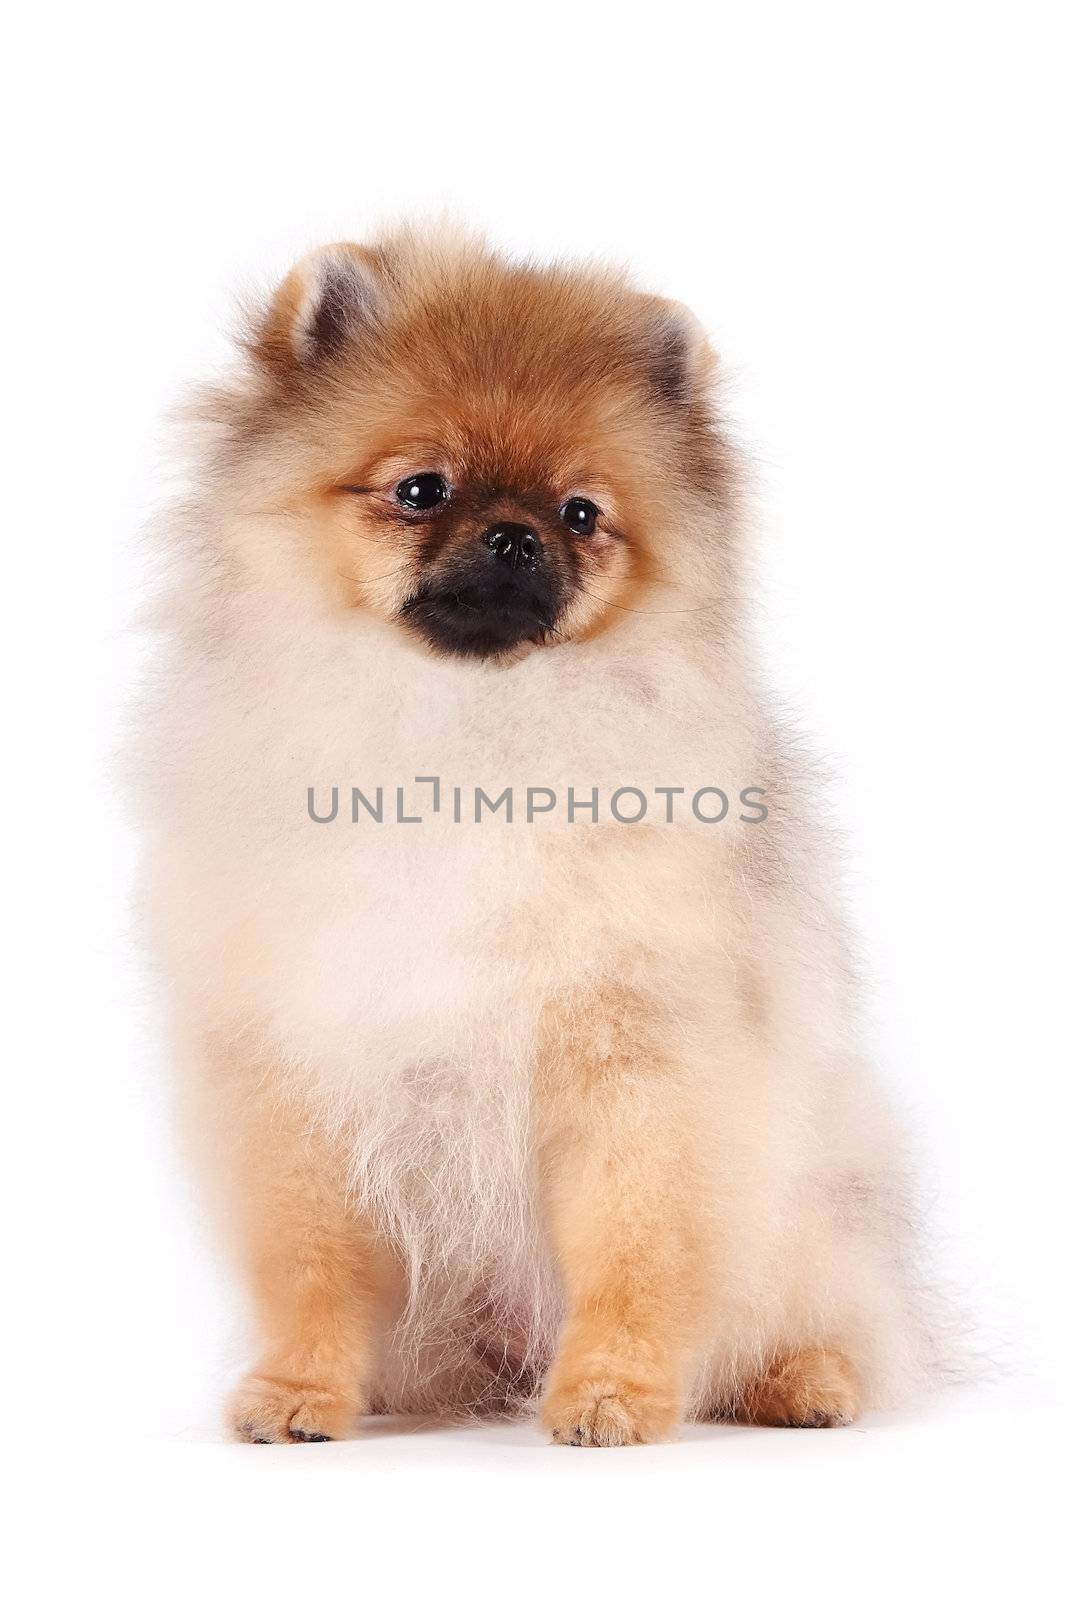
point(496, 1108)
point(319, 1279)
point(804, 1389)
point(623, 1195)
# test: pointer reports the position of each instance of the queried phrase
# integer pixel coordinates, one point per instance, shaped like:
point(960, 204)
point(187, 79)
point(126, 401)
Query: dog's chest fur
point(400, 970)
point(395, 941)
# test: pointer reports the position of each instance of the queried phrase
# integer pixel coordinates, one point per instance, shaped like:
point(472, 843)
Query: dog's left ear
point(681, 362)
point(329, 300)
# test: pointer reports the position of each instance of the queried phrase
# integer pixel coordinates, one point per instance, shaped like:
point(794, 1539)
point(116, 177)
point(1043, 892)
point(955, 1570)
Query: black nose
point(511, 542)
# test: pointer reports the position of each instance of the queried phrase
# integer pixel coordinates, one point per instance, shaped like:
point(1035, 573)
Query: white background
point(863, 203)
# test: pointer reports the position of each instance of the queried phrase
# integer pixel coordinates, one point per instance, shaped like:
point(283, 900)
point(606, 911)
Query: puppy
point(509, 993)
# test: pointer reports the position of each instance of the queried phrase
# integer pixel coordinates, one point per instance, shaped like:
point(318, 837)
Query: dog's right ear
point(323, 305)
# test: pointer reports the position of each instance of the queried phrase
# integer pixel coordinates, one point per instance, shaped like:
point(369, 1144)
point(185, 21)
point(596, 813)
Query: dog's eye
point(579, 515)
point(424, 490)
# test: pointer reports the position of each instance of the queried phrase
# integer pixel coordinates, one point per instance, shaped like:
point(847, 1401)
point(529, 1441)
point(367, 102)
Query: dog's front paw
point(608, 1411)
point(268, 1410)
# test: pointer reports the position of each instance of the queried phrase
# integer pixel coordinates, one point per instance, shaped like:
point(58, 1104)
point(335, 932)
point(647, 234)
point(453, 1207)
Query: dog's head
point(494, 456)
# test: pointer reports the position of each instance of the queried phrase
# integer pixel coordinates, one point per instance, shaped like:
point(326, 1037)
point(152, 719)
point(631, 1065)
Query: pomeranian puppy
point(508, 986)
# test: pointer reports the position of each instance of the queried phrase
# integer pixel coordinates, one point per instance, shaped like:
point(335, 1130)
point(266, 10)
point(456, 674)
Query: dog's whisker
point(365, 583)
point(641, 611)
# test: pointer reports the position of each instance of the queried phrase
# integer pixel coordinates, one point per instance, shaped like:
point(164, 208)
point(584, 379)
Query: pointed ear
point(322, 305)
point(681, 361)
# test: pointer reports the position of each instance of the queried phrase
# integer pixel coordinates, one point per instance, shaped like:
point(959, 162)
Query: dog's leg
point(810, 1388)
point(623, 1196)
point(318, 1279)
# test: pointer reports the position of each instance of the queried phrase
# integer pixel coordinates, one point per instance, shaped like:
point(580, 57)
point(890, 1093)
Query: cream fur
point(392, 980)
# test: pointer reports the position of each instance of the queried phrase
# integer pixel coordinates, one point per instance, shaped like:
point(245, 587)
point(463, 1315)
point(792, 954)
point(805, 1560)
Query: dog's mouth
point(482, 619)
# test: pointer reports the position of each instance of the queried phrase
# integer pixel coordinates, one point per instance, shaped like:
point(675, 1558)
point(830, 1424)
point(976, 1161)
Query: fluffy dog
point(508, 986)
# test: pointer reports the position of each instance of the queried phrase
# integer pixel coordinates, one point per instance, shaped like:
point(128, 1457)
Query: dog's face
point(495, 458)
